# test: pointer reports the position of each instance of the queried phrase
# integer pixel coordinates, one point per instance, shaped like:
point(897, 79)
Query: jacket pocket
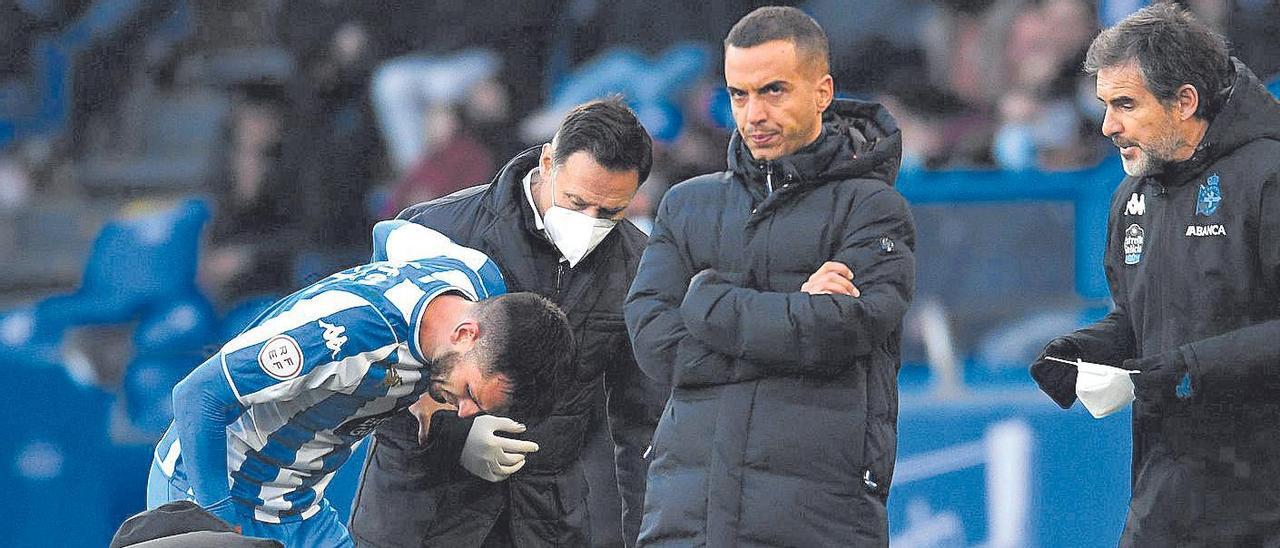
point(601, 340)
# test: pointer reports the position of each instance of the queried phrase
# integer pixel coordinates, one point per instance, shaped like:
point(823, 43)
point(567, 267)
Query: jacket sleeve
point(652, 309)
point(635, 403)
point(1110, 340)
point(796, 332)
point(1249, 354)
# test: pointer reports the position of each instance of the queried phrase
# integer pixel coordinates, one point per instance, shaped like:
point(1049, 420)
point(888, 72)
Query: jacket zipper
point(559, 275)
point(768, 175)
point(1159, 252)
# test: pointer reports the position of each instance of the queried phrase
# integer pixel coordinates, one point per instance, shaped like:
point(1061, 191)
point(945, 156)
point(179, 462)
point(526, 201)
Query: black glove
point(1057, 379)
point(1163, 378)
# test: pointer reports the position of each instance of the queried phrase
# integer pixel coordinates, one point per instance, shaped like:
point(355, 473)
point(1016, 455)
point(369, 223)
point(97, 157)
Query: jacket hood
point(1249, 113)
point(859, 139)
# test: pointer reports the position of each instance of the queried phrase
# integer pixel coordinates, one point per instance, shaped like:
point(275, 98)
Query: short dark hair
point(610, 132)
point(781, 23)
point(1171, 48)
point(526, 338)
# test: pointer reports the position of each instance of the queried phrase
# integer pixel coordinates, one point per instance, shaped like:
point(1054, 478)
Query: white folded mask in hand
point(1102, 389)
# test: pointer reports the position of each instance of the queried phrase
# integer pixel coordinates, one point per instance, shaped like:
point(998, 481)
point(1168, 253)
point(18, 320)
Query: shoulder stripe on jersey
point(401, 241)
point(459, 280)
point(337, 376)
point(226, 372)
point(418, 314)
point(170, 459)
point(484, 283)
point(302, 312)
point(405, 296)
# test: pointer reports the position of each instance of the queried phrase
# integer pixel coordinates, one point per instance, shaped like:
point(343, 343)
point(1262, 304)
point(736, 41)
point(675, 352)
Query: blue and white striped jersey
point(321, 368)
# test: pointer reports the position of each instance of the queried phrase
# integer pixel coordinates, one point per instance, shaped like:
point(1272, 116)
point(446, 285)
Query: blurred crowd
point(301, 122)
point(296, 124)
point(339, 112)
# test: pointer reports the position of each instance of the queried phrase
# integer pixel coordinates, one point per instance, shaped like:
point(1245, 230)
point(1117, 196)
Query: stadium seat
point(52, 450)
point(651, 86)
point(179, 139)
point(135, 262)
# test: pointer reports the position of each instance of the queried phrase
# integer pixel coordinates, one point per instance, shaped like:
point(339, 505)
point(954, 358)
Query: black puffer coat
point(1193, 261)
point(421, 496)
point(782, 426)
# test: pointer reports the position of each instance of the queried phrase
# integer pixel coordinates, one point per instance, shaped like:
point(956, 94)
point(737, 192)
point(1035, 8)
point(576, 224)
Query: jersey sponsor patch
point(1133, 239)
point(281, 357)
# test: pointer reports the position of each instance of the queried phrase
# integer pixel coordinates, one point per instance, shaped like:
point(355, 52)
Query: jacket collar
point(859, 139)
point(1249, 113)
point(512, 229)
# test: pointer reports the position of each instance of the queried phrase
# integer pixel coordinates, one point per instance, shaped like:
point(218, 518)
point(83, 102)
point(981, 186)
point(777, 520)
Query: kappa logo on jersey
point(1133, 237)
point(1137, 205)
point(1206, 230)
point(1209, 197)
point(333, 337)
point(281, 357)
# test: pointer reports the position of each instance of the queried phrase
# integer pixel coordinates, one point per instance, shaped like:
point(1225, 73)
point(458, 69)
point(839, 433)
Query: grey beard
point(1158, 155)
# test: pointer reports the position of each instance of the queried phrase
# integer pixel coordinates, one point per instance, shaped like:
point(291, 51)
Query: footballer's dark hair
point(782, 23)
point(608, 131)
point(526, 338)
point(1170, 48)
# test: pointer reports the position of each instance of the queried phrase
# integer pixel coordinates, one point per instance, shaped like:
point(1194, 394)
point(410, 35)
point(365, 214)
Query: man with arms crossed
point(781, 428)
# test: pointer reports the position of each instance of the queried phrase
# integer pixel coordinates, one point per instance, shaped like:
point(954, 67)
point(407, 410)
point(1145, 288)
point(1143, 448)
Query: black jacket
point(1193, 262)
point(411, 495)
point(782, 425)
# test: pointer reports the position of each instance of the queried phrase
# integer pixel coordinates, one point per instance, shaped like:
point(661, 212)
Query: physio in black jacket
point(552, 220)
point(772, 295)
point(1193, 262)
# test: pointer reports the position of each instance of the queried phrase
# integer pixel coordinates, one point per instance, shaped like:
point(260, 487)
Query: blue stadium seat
point(651, 86)
point(179, 326)
point(180, 139)
point(170, 341)
point(241, 315)
point(55, 492)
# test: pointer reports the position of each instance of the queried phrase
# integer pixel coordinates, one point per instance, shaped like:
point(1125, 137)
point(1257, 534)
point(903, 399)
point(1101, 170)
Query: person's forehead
point(1125, 79)
point(585, 178)
point(761, 64)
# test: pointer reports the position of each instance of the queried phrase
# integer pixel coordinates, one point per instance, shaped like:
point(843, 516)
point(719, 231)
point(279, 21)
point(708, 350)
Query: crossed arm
point(714, 321)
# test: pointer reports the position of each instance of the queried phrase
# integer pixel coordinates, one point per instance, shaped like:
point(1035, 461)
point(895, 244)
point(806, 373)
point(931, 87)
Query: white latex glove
point(490, 456)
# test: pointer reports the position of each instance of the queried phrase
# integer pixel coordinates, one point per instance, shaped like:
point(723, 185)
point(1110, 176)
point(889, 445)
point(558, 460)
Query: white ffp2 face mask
point(574, 233)
point(1103, 389)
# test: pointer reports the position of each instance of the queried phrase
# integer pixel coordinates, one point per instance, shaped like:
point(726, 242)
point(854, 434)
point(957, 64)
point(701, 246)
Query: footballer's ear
point(464, 334)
